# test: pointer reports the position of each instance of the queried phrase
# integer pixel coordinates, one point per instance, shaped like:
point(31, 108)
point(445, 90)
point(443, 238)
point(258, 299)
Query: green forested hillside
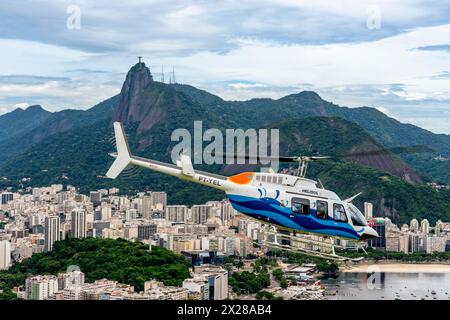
point(51, 124)
point(21, 121)
point(120, 260)
point(387, 131)
point(80, 157)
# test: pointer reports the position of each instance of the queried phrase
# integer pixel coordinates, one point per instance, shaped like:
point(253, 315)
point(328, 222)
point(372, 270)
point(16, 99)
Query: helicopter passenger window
point(322, 209)
point(300, 205)
point(339, 213)
point(280, 180)
point(258, 178)
point(263, 178)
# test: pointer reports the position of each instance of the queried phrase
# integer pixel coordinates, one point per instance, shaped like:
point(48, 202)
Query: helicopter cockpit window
point(358, 218)
point(300, 205)
point(322, 209)
point(339, 213)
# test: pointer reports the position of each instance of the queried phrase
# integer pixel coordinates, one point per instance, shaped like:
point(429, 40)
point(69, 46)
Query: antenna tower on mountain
point(173, 75)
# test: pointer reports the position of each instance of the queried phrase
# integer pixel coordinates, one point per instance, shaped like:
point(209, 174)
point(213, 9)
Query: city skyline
point(207, 235)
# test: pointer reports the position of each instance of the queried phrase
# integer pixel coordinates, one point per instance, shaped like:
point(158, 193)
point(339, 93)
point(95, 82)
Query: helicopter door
point(322, 209)
point(300, 206)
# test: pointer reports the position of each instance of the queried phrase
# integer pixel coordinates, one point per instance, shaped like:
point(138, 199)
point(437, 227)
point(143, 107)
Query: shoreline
point(398, 267)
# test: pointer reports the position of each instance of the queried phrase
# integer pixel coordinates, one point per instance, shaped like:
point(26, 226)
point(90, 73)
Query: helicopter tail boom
point(182, 170)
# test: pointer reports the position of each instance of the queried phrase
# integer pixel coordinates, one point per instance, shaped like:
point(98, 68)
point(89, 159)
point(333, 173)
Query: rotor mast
point(302, 166)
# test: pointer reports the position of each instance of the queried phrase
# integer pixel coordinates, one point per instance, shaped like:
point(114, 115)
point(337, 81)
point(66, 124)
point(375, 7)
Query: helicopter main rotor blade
point(395, 150)
point(271, 158)
point(255, 157)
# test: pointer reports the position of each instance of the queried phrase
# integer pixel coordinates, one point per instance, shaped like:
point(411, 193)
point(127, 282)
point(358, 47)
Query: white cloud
point(244, 85)
point(274, 47)
point(22, 105)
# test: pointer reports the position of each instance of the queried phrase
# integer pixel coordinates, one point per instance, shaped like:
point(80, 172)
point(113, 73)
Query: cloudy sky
point(392, 55)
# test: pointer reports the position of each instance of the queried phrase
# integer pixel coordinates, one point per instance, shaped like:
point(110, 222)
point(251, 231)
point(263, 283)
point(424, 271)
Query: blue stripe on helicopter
point(271, 210)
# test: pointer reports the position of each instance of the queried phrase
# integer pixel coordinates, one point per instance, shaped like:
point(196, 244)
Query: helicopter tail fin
point(123, 155)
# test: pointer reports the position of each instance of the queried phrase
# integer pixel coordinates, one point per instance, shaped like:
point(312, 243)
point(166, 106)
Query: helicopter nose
point(369, 233)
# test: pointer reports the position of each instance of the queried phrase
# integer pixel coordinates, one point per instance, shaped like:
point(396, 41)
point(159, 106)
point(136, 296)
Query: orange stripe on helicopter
point(242, 178)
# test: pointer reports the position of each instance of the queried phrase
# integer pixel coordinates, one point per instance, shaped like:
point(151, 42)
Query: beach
point(398, 267)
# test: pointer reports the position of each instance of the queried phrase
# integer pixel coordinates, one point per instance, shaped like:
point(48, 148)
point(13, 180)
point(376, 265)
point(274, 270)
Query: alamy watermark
point(73, 268)
point(373, 277)
point(221, 146)
point(373, 21)
point(73, 21)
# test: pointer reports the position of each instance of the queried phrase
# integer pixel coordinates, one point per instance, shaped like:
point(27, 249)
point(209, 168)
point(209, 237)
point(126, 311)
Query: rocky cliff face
point(155, 109)
point(131, 105)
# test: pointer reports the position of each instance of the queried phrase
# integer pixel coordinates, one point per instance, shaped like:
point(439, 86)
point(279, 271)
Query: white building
point(215, 277)
point(105, 212)
point(435, 244)
point(131, 214)
point(40, 287)
point(70, 279)
point(425, 226)
point(198, 287)
point(5, 254)
point(368, 210)
point(155, 290)
point(414, 225)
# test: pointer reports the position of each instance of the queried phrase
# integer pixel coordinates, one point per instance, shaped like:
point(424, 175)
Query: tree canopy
point(120, 260)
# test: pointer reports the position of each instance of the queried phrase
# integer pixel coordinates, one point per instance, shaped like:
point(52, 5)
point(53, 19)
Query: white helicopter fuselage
point(284, 200)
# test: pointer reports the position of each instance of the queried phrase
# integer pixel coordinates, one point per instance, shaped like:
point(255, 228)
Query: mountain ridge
point(19, 121)
point(389, 132)
point(72, 146)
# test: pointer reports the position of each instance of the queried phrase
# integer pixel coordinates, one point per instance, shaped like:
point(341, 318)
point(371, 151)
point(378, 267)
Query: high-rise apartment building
point(159, 200)
point(7, 197)
point(146, 231)
point(176, 213)
point(51, 232)
point(368, 210)
point(5, 254)
point(200, 213)
point(40, 287)
point(78, 223)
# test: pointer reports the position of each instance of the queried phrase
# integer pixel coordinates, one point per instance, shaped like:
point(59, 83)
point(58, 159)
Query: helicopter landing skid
point(311, 245)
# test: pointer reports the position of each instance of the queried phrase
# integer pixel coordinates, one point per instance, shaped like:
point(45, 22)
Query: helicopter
point(289, 202)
